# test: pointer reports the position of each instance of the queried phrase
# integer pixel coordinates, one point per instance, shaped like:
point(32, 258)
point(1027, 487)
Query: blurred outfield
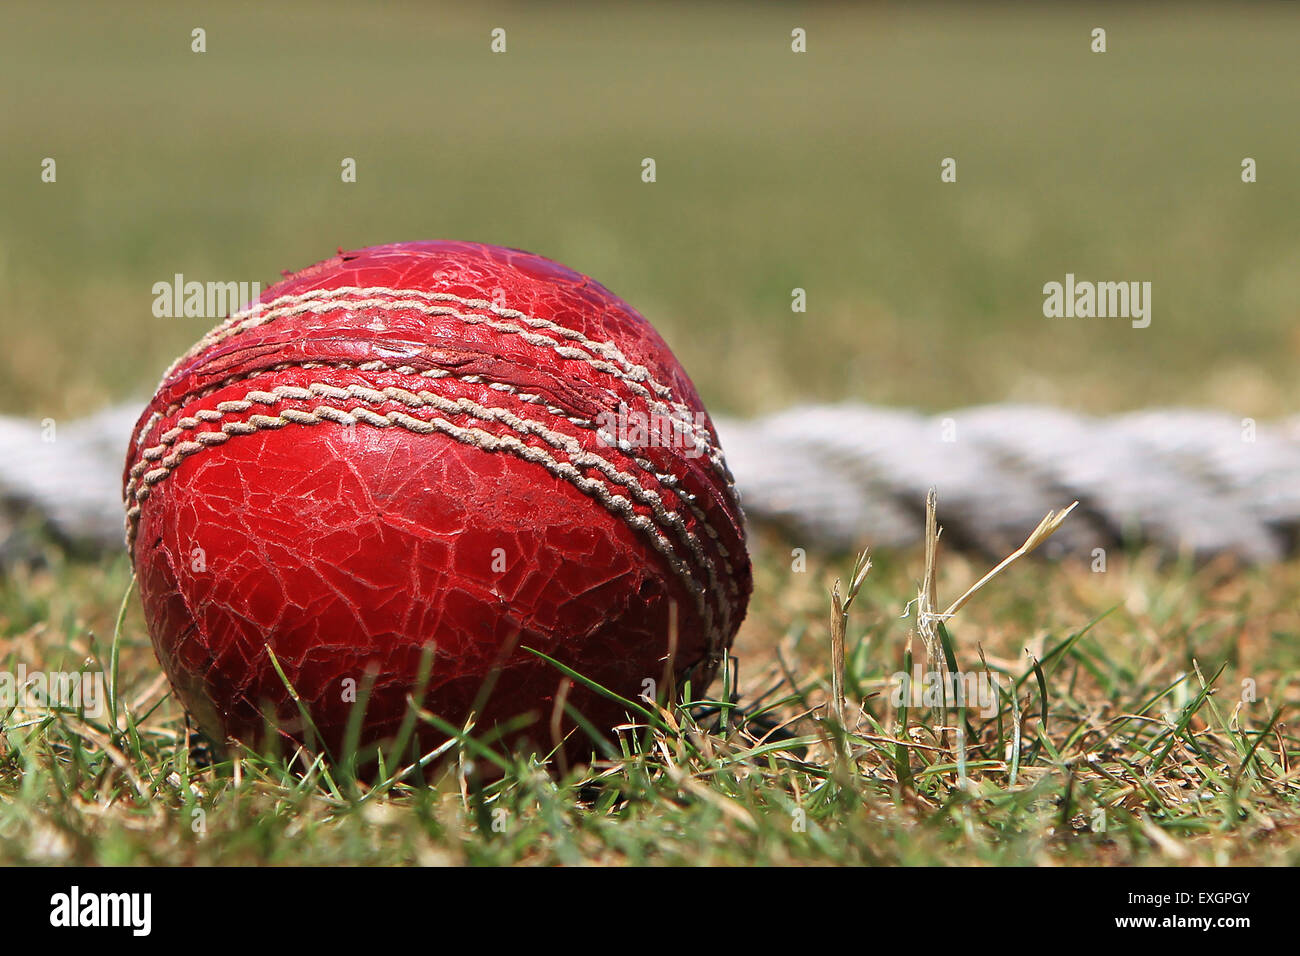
point(775, 170)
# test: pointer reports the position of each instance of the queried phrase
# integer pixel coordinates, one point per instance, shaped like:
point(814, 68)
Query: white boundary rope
point(850, 476)
point(1198, 482)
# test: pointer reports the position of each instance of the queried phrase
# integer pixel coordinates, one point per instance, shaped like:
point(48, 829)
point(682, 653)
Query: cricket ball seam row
point(616, 504)
point(667, 479)
point(320, 301)
point(578, 455)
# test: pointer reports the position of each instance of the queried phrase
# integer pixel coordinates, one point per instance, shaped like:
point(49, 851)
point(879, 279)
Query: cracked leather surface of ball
point(398, 457)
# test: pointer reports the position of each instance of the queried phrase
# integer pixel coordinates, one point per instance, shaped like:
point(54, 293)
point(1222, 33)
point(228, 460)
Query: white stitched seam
point(323, 300)
point(460, 406)
point(261, 310)
point(616, 504)
point(665, 479)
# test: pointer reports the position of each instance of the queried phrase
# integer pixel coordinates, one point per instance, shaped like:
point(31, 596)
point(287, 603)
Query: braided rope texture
point(1194, 482)
point(847, 476)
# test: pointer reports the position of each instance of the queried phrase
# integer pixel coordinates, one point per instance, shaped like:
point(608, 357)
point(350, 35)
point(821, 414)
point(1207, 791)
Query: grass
point(1121, 735)
point(1118, 736)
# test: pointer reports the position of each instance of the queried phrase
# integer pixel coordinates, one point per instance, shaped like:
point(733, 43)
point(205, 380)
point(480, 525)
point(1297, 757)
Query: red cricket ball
point(438, 451)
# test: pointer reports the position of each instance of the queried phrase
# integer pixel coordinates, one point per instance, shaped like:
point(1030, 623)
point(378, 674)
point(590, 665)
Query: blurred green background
point(775, 170)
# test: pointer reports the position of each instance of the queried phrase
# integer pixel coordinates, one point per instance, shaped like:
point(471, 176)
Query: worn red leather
point(398, 453)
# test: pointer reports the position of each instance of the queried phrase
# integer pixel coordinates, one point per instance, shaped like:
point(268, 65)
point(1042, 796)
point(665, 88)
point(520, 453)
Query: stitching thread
point(666, 479)
point(320, 301)
point(142, 478)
